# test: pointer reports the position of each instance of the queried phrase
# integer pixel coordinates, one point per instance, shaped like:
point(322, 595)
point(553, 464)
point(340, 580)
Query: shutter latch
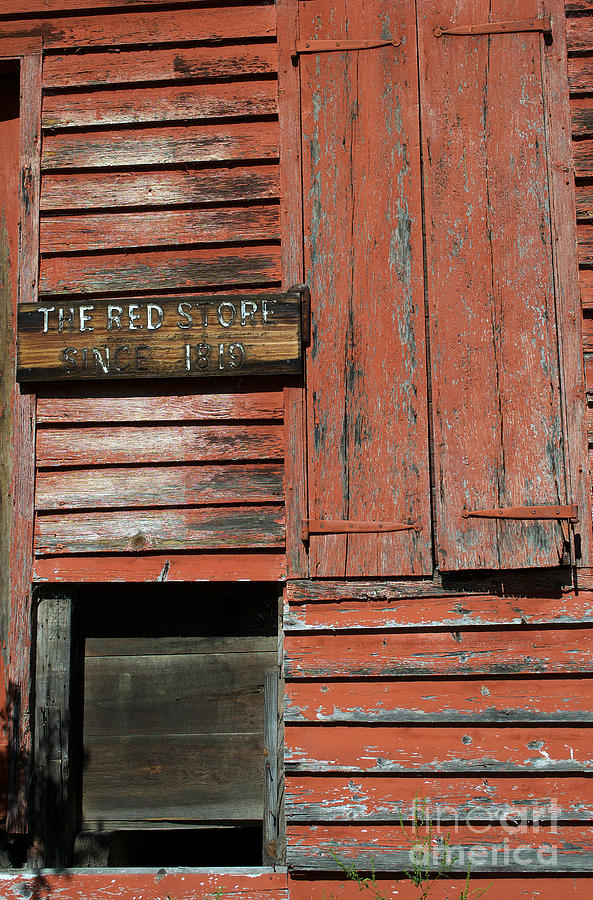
point(329, 46)
point(544, 25)
point(350, 526)
point(569, 513)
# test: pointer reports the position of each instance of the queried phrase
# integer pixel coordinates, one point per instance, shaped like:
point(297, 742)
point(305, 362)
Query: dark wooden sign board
point(173, 337)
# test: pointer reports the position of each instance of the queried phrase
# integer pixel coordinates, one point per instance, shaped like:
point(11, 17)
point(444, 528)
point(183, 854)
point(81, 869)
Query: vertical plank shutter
point(496, 369)
point(366, 368)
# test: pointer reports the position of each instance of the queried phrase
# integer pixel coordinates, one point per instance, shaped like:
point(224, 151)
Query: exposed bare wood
point(160, 270)
point(155, 444)
point(55, 742)
point(292, 272)
point(169, 145)
point(111, 190)
point(272, 771)
point(107, 231)
point(115, 488)
point(396, 613)
point(383, 848)
point(128, 106)
point(399, 799)
point(23, 187)
point(164, 64)
point(200, 528)
point(580, 74)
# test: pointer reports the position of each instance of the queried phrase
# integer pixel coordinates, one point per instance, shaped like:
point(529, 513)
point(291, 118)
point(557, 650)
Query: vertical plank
point(562, 190)
point(495, 369)
point(271, 770)
point(366, 378)
point(291, 211)
point(22, 478)
point(55, 806)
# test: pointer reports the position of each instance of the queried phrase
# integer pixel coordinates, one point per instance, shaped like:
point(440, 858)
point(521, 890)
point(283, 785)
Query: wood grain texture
point(157, 444)
point(157, 64)
point(583, 158)
point(203, 528)
point(481, 750)
point(585, 243)
point(397, 799)
point(584, 201)
point(396, 613)
point(164, 337)
point(179, 714)
point(580, 74)
point(55, 774)
point(258, 884)
point(383, 848)
point(147, 27)
point(168, 145)
point(566, 284)
point(579, 33)
point(291, 212)
point(159, 270)
point(522, 584)
point(388, 655)
point(495, 446)
point(116, 488)
point(175, 693)
point(159, 103)
point(113, 190)
point(367, 431)
point(586, 291)
point(264, 565)
point(448, 701)
point(588, 327)
point(23, 187)
point(320, 886)
point(197, 777)
point(581, 114)
point(60, 405)
point(158, 228)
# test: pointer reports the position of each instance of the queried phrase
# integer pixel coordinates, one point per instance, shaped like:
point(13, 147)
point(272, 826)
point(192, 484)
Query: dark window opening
point(168, 726)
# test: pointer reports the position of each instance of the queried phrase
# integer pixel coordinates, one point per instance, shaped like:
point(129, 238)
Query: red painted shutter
point(496, 367)
point(366, 379)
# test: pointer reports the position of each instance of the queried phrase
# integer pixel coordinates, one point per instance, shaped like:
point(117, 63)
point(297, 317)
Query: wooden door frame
point(18, 526)
point(291, 229)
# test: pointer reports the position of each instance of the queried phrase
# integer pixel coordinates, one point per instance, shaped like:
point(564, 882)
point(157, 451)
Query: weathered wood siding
point(470, 709)
point(173, 730)
point(580, 78)
point(159, 176)
point(463, 702)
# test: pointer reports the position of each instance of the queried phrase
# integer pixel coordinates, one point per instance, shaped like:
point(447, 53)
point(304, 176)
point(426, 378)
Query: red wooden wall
point(477, 702)
point(159, 176)
point(468, 703)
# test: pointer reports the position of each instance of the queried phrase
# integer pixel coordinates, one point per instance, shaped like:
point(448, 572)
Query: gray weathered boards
point(244, 334)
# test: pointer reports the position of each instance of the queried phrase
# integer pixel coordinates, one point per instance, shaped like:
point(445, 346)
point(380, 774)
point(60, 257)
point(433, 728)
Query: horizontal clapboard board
point(160, 337)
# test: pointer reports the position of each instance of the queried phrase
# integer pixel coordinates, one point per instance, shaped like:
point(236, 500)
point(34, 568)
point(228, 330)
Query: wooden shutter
point(366, 381)
point(497, 376)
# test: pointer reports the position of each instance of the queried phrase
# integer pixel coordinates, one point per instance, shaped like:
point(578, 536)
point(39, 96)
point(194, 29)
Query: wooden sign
point(160, 337)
